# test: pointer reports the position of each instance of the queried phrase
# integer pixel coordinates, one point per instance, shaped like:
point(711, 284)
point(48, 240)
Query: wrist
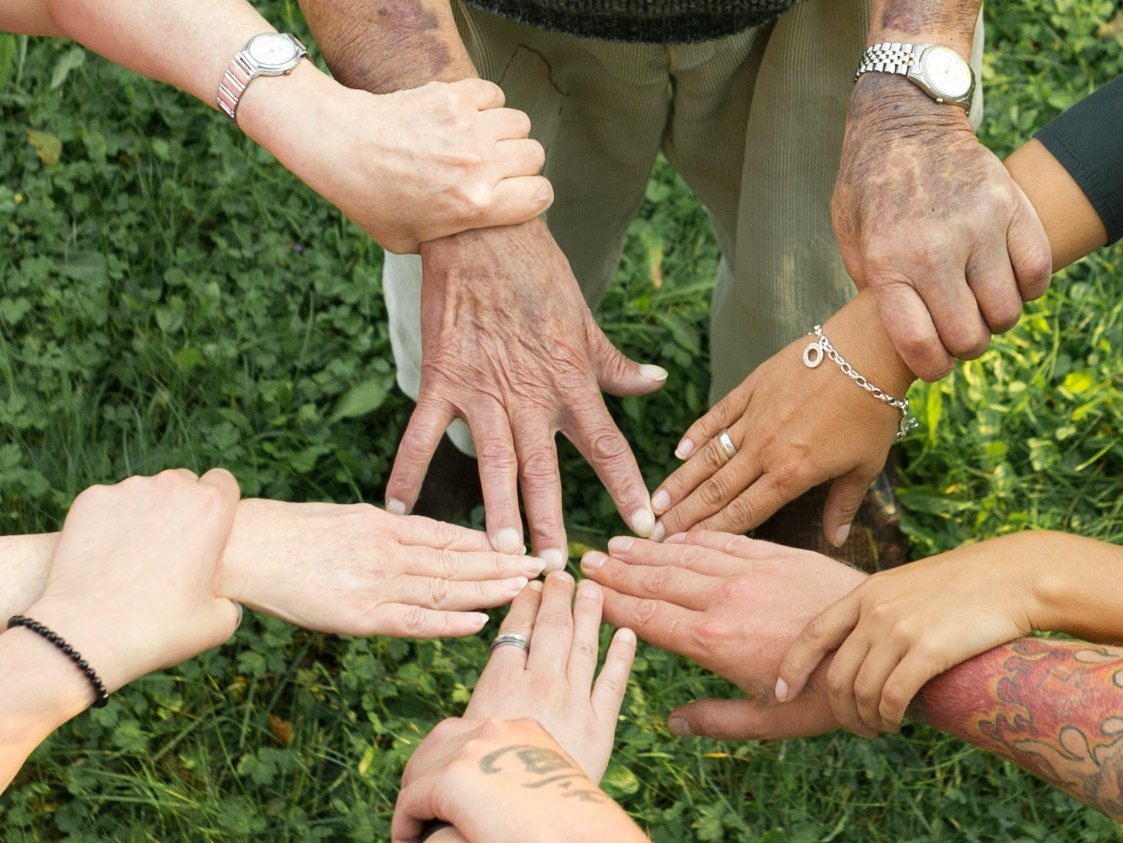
point(856, 331)
point(925, 22)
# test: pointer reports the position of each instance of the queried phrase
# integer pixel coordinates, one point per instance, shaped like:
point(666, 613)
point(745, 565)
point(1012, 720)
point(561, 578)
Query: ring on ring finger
point(510, 639)
point(726, 443)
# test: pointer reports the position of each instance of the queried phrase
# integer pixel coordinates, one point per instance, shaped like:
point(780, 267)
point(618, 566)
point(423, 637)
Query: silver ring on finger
point(510, 639)
point(727, 445)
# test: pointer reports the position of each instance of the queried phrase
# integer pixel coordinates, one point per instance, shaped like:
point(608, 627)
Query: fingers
point(427, 424)
point(840, 685)
point(722, 415)
point(662, 583)
point(909, 324)
point(608, 692)
point(996, 291)
point(399, 620)
point(224, 481)
point(707, 482)
point(604, 447)
point(910, 675)
point(745, 720)
point(1029, 249)
point(479, 92)
point(640, 552)
point(582, 666)
point(438, 592)
point(962, 330)
point(495, 451)
point(869, 683)
point(666, 625)
point(540, 480)
point(520, 621)
point(465, 567)
point(509, 124)
point(419, 531)
point(616, 374)
point(822, 634)
point(519, 198)
point(553, 626)
point(843, 501)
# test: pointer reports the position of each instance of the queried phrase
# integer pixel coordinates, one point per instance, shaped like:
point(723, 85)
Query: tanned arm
point(1054, 708)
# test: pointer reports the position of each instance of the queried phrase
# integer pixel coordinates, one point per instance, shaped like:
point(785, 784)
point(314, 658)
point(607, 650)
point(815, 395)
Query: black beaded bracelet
point(72, 654)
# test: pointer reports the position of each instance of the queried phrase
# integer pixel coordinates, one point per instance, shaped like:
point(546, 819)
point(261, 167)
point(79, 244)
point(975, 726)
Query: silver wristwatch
point(268, 54)
point(937, 70)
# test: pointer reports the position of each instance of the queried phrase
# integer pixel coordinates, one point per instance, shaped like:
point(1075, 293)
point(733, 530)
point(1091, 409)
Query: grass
point(170, 296)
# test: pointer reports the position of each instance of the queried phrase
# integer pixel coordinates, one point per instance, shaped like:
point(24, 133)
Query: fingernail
point(653, 372)
point(479, 617)
point(508, 540)
point(841, 535)
point(522, 582)
point(660, 501)
point(522, 550)
point(593, 559)
point(781, 691)
point(685, 449)
point(395, 506)
point(620, 544)
point(588, 588)
point(560, 576)
point(679, 727)
point(537, 565)
point(626, 635)
point(535, 585)
point(643, 522)
point(554, 559)
point(658, 533)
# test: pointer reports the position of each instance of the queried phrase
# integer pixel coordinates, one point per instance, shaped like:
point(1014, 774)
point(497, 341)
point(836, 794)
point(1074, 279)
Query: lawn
point(170, 296)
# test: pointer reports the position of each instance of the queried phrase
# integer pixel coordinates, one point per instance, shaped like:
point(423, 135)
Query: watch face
point(947, 73)
point(273, 50)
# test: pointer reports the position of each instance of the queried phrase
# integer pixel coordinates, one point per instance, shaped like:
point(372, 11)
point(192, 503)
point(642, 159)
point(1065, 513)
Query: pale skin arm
point(348, 569)
point(406, 168)
point(509, 344)
point(784, 418)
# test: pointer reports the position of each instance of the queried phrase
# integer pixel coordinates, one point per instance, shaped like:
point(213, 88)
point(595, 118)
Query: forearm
point(388, 46)
point(926, 21)
point(41, 691)
point(1073, 226)
point(1052, 707)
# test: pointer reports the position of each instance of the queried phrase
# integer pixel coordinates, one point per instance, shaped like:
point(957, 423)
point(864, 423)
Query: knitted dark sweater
point(649, 21)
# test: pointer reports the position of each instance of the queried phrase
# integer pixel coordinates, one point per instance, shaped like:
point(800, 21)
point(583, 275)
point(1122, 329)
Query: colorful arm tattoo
point(1052, 707)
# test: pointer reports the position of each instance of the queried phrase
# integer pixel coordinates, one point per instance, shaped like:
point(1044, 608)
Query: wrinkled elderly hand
point(794, 427)
point(408, 166)
point(904, 626)
point(733, 605)
point(510, 347)
point(356, 570)
point(931, 221)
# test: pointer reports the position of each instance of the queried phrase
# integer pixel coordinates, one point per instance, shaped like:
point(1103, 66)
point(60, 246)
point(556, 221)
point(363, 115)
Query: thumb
point(745, 720)
point(843, 500)
point(617, 374)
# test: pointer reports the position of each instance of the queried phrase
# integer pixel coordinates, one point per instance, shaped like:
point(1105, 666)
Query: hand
point(465, 768)
point(733, 605)
point(794, 427)
point(904, 626)
point(132, 583)
point(553, 683)
point(932, 222)
point(408, 166)
point(510, 346)
point(357, 570)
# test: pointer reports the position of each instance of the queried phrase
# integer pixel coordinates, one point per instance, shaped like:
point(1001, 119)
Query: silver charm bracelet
point(815, 352)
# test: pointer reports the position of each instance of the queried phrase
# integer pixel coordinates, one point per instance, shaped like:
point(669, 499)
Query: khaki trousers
point(753, 123)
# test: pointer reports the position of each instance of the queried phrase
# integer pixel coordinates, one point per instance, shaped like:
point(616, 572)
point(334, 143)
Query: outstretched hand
point(510, 346)
point(733, 605)
point(793, 428)
point(357, 570)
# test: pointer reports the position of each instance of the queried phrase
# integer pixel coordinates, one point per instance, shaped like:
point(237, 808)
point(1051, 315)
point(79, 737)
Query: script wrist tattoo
point(542, 767)
point(1052, 707)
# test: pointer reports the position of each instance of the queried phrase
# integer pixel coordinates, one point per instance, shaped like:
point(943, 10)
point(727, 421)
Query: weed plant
point(170, 296)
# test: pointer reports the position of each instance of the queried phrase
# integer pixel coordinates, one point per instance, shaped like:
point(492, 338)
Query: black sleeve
point(1087, 140)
